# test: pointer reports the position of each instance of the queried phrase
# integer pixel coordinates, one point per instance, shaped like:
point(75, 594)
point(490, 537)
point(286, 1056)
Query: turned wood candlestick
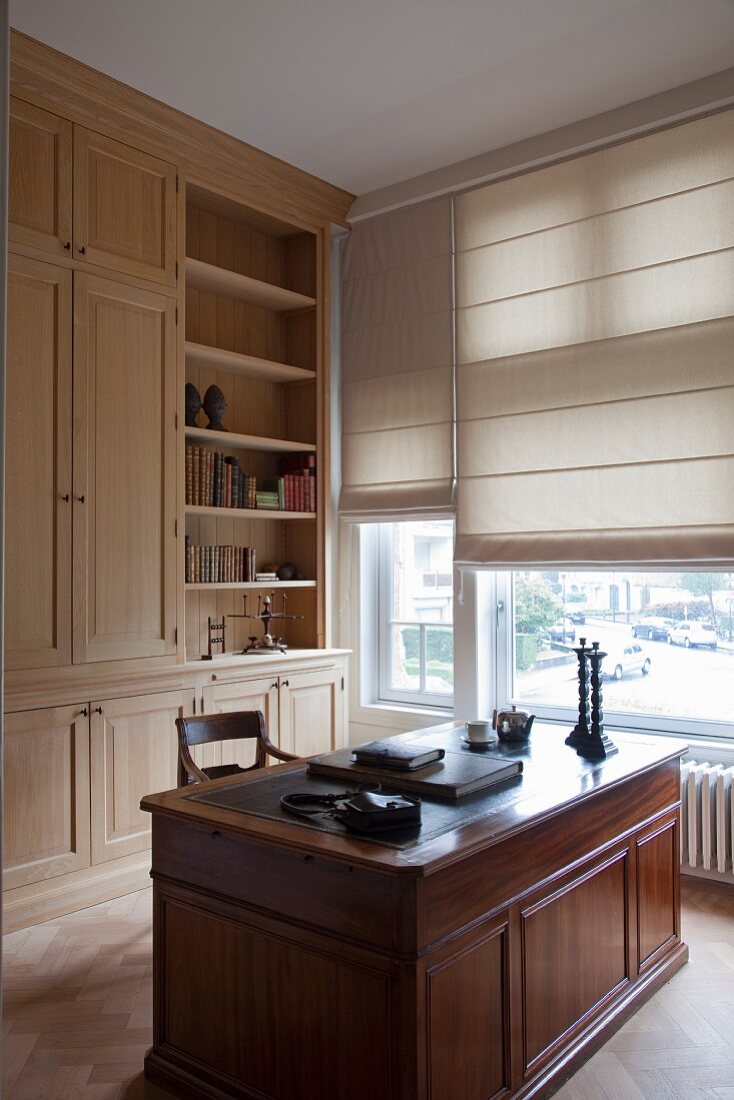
point(596, 745)
point(581, 730)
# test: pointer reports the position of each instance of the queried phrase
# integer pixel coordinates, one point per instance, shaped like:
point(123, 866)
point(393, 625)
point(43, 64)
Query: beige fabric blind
point(595, 346)
point(397, 365)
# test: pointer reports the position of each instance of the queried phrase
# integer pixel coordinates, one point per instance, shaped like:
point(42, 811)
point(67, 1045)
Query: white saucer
point(479, 744)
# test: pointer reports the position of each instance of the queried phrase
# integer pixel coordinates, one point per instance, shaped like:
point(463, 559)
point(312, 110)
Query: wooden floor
point(77, 1013)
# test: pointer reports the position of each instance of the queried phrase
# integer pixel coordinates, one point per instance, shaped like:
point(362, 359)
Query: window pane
point(405, 662)
point(416, 612)
point(440, 660)
point(669, 639)
point(422, 569)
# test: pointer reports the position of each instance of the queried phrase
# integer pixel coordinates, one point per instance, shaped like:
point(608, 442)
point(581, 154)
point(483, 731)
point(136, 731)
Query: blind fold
point(595, 378)
point(397, 365)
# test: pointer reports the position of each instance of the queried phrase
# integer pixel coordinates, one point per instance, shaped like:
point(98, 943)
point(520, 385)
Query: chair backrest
point(208, 728)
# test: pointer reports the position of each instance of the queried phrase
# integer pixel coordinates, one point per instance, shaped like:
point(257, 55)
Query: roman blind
point(397, 365)
point(595, 345)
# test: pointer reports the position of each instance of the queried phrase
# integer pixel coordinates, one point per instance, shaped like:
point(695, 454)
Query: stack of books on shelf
point(217, 480)
point(267, 578)
point(298, 479)
point(219, 564)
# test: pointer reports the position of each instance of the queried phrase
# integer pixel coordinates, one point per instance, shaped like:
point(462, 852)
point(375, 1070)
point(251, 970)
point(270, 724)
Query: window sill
point(403, 718)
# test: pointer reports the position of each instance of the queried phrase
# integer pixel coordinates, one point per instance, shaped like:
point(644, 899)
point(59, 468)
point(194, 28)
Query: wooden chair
point(209, 728)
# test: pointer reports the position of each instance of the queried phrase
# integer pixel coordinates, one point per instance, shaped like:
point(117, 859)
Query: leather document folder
point(453, 777)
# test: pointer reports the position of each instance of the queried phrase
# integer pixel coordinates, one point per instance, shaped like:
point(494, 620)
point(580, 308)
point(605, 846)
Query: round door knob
point(81, 499)
point(82, 250)
point(84, 712)
point(66, 497)
point(67, 246)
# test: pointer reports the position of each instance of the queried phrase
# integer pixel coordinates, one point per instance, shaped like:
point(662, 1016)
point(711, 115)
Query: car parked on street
point(690, 633)
point(563, 631)
point(577, 617)
point(653, 628)
point(620, 662)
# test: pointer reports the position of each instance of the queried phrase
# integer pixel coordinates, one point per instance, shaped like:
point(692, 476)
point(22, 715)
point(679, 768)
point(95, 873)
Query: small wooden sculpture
point(215, 406)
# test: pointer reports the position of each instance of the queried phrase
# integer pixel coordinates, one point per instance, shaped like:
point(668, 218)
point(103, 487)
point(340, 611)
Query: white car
point(618, 663)
point(690, 633)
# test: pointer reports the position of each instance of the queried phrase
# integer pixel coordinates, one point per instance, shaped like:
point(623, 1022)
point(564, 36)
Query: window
point(415, 618)
point(669, 639)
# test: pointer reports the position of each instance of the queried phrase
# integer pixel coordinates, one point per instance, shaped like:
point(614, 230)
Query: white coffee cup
point(480, 731)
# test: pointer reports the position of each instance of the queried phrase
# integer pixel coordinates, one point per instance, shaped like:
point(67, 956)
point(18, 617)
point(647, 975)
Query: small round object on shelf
point(192, 404)
point(215, 406)
point(287, 572)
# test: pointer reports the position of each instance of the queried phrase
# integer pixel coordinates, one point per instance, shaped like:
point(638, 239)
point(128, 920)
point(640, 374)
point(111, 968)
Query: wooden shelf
point(204, 587)
point(201, 355)
point(232, 441)
point(219, 280)
point(244, 513)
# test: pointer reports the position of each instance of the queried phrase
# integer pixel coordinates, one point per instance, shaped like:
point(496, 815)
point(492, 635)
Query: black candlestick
point(596, 745)
point(581, 730)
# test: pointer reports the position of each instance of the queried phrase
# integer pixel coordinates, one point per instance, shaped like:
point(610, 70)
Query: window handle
point(500, 609)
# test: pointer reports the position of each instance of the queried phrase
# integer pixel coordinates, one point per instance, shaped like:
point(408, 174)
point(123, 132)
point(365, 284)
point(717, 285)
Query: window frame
point(703, 730)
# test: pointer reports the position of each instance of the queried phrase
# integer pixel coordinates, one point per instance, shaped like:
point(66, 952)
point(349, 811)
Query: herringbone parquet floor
point(77, 1015)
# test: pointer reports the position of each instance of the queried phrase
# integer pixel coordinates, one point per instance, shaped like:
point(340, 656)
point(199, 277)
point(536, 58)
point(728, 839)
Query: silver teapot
point(512, 725)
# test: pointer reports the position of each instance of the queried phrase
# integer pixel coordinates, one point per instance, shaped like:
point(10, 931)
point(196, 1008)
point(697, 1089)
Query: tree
point(703, 584)
point(536, 606)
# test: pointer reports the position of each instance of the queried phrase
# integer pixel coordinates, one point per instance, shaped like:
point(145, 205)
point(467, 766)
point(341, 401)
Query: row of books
point(216, 480)
point(219, 564)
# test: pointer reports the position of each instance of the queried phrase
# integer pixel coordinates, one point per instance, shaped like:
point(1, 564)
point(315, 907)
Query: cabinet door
point(39, 193)
point(46, 796)
point(134, 752)
point(124, 208)
point(311, 712)
point(262, 695)
point(38, 457)
point(124, 472)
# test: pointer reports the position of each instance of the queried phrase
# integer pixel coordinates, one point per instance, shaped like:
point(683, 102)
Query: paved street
point(682, 682)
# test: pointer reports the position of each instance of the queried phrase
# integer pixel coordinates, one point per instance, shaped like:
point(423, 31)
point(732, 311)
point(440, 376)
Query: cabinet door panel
point(124, 208)
point(38, 456)
point(134, 752)
point(124, 467)
point(46, 804)
point(311, 712)
point(259, 695)
point(39, 193)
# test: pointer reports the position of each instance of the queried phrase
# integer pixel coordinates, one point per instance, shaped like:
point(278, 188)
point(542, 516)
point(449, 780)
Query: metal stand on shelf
point(268, 643)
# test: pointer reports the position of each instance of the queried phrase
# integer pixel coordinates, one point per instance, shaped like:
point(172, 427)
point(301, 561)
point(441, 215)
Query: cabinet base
point(41, 901)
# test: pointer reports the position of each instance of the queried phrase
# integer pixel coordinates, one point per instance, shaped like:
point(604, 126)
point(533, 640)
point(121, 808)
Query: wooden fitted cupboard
point(147, 250)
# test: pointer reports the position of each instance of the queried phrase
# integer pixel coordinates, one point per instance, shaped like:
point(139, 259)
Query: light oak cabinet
point(124, 208)
point(46, 802)
point(258, 694)
point(38, 459)
point(312, 712)
point(40, 174)
point(75, 192)
point(103, 474)
point(133, 750)
point(124, 472)
point(304, 711)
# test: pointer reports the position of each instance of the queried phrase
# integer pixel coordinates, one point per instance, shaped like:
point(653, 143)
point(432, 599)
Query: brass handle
point(67, 246)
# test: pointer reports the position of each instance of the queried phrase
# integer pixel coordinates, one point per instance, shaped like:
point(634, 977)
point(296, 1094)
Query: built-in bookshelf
point(251, 329)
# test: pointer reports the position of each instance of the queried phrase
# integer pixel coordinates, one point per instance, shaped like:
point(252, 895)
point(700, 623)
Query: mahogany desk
point(292, 964)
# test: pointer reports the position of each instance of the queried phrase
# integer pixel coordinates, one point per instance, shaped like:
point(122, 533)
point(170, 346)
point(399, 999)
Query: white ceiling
point(365, 93)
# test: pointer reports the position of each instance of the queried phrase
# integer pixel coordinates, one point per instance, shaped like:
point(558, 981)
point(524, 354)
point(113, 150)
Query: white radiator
point(707, 817)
